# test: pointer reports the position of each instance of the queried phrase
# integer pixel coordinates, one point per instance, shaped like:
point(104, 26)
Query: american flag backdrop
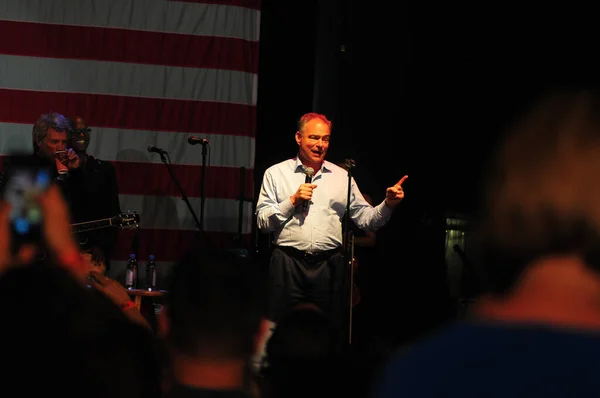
point(144, 72)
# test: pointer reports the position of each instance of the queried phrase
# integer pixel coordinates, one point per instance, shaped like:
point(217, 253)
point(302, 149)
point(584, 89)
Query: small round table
point(138, 294)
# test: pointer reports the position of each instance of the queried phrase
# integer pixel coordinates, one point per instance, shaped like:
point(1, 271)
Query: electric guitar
point(122, 221)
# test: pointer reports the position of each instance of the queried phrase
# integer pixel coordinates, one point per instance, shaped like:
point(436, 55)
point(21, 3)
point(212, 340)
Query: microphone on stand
point(349, 163)
point(309, 171)
point(205, 145)
point(154, 149)
point(197, 140)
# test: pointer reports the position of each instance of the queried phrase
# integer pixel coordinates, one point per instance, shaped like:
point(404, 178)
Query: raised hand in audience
point(117, 293)
point(7, 259)
point(57, 239)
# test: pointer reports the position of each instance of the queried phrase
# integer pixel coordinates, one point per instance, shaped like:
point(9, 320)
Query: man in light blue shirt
point(307, 263)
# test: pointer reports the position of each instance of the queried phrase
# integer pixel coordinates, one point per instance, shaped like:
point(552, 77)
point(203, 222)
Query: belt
point(292, 251)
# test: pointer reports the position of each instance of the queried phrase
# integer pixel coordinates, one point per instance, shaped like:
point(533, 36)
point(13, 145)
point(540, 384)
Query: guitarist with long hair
point(49, 139)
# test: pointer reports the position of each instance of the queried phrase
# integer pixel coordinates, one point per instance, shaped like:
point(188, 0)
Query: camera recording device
point(26, 177)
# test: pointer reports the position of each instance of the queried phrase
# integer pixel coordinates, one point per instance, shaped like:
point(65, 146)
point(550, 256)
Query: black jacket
point(93, 194)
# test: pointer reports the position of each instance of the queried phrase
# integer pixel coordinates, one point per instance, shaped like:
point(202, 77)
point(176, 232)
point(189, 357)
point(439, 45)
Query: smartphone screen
point(26, 179)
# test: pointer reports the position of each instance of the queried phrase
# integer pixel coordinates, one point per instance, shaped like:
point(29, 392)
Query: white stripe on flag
point(125, 79)
point(148, 15)
point(131, 146)
point(169, 212)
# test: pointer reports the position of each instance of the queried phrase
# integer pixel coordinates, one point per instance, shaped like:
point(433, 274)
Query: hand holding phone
point(27, 178)
point(33, 213)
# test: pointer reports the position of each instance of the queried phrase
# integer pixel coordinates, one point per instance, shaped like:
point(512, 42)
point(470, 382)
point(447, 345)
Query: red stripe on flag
point(133, 46)
point(221, 182)
point(21, 106)
point(171, 245)
point(252, 4)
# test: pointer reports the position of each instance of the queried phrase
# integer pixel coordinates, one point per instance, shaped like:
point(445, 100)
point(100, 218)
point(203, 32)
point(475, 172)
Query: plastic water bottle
point(151, 274)
point(131, 275)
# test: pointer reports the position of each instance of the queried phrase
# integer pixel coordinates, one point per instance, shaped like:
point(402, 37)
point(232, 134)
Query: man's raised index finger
point(402, 180)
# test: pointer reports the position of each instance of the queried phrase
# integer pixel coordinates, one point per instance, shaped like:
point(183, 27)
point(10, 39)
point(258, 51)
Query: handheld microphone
point(309, 171)
point(197, 140)
point(154, 149)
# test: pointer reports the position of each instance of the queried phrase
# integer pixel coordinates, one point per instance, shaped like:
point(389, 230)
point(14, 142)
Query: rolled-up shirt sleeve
point(271, 214)
point(365, 216)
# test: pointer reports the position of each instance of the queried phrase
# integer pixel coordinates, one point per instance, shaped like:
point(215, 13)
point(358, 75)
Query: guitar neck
point(91, 225)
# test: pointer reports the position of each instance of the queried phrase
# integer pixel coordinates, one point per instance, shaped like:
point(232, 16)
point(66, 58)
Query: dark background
point(419, 88)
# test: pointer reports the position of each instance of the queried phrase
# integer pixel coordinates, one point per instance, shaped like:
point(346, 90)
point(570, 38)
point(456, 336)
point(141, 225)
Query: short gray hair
point(310, 116)
point(54, 120)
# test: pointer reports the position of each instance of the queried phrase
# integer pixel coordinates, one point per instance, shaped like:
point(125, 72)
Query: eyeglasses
point(81, 131)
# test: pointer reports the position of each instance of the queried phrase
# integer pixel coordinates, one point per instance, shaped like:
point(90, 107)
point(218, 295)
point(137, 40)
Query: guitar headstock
point(127, 220)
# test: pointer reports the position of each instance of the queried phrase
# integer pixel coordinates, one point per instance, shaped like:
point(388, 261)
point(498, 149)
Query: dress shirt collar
point(300, 167)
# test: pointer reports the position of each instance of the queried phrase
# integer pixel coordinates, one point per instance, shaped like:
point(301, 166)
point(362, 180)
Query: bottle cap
point(132, 255)
point(151, 257)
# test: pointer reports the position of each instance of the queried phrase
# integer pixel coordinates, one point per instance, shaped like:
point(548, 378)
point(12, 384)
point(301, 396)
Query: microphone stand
point(203, 185)
point(183, 195)
point(348, 257)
